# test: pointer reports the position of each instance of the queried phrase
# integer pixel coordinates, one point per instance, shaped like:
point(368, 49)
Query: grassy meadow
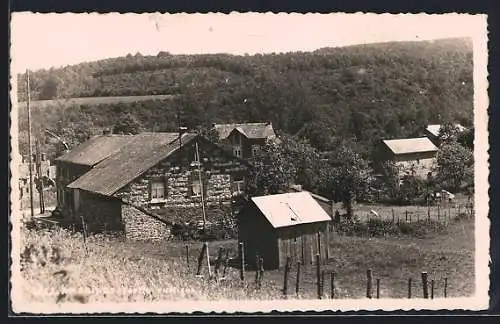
point(58, 267)
point(92, 100)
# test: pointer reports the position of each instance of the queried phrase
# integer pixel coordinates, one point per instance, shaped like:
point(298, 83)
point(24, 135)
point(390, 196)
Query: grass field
point(58, 268)
point(92, 100)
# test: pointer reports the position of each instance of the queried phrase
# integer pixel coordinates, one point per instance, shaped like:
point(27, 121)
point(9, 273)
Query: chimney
point(44, 156)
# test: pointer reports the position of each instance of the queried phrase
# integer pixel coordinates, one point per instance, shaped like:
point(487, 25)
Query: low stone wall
point(142, 227)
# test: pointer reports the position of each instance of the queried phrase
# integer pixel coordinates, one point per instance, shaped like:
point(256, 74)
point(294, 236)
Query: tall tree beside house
point(127, 124)
point(282, 163)
point(466, 138)
point(448, 132)
point(455, 165)
point(345, 176)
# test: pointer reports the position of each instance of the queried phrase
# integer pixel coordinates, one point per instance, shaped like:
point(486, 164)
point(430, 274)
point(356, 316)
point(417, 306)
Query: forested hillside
point(361, 93)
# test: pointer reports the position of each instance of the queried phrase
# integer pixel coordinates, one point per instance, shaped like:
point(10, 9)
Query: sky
point(53, 40)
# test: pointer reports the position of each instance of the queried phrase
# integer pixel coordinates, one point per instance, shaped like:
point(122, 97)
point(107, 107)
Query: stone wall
point(178, 172)
point(142, 227)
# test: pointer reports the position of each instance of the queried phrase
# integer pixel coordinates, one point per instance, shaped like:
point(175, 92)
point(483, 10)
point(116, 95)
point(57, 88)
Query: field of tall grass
point(57, 266)
point(92, 100)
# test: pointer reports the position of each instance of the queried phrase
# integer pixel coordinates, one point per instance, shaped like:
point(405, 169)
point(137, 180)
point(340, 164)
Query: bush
point(384, 227)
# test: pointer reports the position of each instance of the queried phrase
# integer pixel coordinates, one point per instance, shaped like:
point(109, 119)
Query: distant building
point(244, 140)
point(142, 184)
point(48, 172)
point(417, 153)
point(432, 132)
point(284, 225)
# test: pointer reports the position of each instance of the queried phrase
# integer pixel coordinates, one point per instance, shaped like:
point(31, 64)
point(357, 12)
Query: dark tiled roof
point(250, 130)
point(142, 152)
point(95, 149)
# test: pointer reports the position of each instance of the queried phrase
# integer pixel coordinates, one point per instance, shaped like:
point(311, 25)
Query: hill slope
point(365, 92)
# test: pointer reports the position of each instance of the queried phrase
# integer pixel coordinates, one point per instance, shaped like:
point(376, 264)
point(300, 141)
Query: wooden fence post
point(226, 264)
point(200, 258)
point(218, 262)
point(332, 285)
point(369, 281)
point(428, 212)
point(297, 282)
point(439, 213)
point(285, 279)
point(445, 287)
point(378, 288)
point(406, 215)
point(318, 275)
point(322, 283)
point(261, 270)
point(208, 264)
point(393, 218)
point(242, 261)
point(257, 269)
point(425, 285)
point(432, 289)
point(409, 288)
point(187, 255)
point(319, 243)
point(393, 215)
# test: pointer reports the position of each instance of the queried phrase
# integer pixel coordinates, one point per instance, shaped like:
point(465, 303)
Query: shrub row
point(385, 227)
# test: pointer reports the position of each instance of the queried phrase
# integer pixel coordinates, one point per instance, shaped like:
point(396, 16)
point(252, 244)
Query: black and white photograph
point(248, 162)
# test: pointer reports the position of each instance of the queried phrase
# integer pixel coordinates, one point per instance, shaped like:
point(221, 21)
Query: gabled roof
point(434, 129)
point(410, 145)
point(290, 209)
point(142, 152)
point(95, 149)
point(250, 130)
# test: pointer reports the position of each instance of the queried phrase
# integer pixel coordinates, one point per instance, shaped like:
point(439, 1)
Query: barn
point(275, 227)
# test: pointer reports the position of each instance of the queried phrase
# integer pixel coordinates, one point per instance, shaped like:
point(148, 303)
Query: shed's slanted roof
point(434, 129)
point(142, 152)
point(290, 209)
point(410, 145)
point(95, 149)
point(250, 130)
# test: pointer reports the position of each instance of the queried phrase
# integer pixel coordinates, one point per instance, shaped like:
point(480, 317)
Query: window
point(237, 151)
point(255, 149)
point(196, 187)
point(157, 190)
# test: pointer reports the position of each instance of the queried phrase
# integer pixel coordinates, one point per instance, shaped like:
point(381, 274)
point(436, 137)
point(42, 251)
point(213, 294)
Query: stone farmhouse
point(244, 140)
point(417, 153)
point(48, 172)
point(142, 184)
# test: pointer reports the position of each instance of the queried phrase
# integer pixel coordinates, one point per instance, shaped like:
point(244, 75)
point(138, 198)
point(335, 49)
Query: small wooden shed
point(275, 227)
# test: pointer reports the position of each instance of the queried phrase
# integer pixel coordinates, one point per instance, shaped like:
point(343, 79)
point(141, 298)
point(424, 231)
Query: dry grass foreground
point(57, 267)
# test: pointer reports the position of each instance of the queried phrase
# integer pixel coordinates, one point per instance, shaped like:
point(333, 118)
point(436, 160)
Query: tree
point(127, 124)
point(49, 89)
point(448, 132)
point(345, 176)
point(281, 163)
point(466, 138)
point(454, 165)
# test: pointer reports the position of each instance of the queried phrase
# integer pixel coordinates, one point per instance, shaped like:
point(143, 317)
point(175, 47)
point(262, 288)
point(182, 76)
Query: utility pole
point(29, 141)
point(201, 184)
point(39, 176)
